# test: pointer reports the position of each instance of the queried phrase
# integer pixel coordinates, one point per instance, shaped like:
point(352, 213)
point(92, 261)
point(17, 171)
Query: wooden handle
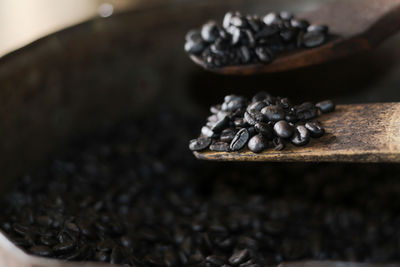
point(371, 20)
point(354, 133)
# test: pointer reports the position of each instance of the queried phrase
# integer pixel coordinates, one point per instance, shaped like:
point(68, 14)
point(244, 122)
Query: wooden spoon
point(354, 133)
point(357, 26)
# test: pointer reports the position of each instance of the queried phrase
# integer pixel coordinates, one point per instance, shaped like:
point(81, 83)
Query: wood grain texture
point(354, 133)
point(355, 26)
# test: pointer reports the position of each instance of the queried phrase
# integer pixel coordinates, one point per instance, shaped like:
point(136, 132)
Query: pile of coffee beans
point(133, 197)
point(264, 122)
point(251, 39)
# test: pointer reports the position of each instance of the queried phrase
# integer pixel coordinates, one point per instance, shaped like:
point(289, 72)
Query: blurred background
point(24, 21)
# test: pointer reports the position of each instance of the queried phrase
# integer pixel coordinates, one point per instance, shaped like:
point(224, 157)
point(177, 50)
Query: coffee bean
point(227, 135)
point(325, 106)
point(273, 113)
point(200, 143)
point(66, 246)
point(301, 136)
point(257, 143)
point(271, 18)
point(194, 47)
point(227, 20)
point(300, 24)
point(215, 260)
point(240, 140)
point(219, 147)
point(314, 38)
point(320, 28)
point(102, 256)
point(315, 129)
point(220, 125)
point(209, 31)
point(264, 54)
point(239, 257)
point(283, 129)
point(42, 251)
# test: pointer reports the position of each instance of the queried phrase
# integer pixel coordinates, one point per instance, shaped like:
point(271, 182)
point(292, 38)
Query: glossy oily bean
point(200, 143)
point(247, 39)
point(315, 129)
point(278, 143)
point(301, 136)
point(239, 257)
point(219, 147)
point(227, 135)
point(209, 31)
point(273, 113)
point(257, 143)
point(283, 129)
point(326, 106)
point(220, 125)
point(240, 140)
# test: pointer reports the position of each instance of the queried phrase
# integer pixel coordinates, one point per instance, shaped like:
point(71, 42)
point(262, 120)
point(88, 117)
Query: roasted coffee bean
point(258, 106)
point(220, 125)
point(41, 251)
point(264, 54)
point(239, 257)
point(253, 116)
point(219, 147)
point(301, 136)
point(227, 135)
point(102, 256)
point(325, 106)
point(257, 143)
point(283, 129)
point(240, 140)
point(249, 40)
point(313, 39)
point(315, 129)
point(215, 260)
point(320, 28)
point(200, 143)
point(273, 113)
point(66, 246)
point(210, 31)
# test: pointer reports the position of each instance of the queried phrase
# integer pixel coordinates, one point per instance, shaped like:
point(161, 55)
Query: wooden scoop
point(354, 133)
point(357, 26)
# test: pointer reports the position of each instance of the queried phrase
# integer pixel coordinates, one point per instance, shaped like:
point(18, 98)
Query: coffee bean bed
point(264, 122)
point(135, 195)
point(250, 39)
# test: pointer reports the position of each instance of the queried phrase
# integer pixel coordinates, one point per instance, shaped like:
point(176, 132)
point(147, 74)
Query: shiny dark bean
point(227, 135)
point(301, 136)
point(240, 140)
point(239, 257)
point(271, 18)
point(283, 129)
point(315, 129)
point(273, 113)
point(68, 245)
point(244, 54)
point(257, 143)
point(313, 39)
point(264, 54)
point(320, 28)
point(194, 47)
point(42, 251)
point(220, 125)
point(258, 106)
point(219, 147)
point(326, 106)
point(209, 31)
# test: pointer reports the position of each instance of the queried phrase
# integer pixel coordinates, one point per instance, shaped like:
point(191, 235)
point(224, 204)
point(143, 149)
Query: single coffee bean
point(272, 18)
point(265, 130)
point(286, 15)
point(102, 256)
point(325, 106)
point(240, 122)
point(283, 129)
point(315, 129)
point(227, 20)
point(258, 106)
point(320, 28)
point(42, 251)
point(194, 47)
point(68, 245)
point(257, 143)
point(209, 31)
point(227, 135)
point(215, 260)
point(219, 147)
point(200, 143)
point(313, 39)
point(300, 24)
point(240, 140)
point(239, 257)
point(273, 113)
point(220, 125)
point(264, 54)
point(244, 54)
point(301, 136)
